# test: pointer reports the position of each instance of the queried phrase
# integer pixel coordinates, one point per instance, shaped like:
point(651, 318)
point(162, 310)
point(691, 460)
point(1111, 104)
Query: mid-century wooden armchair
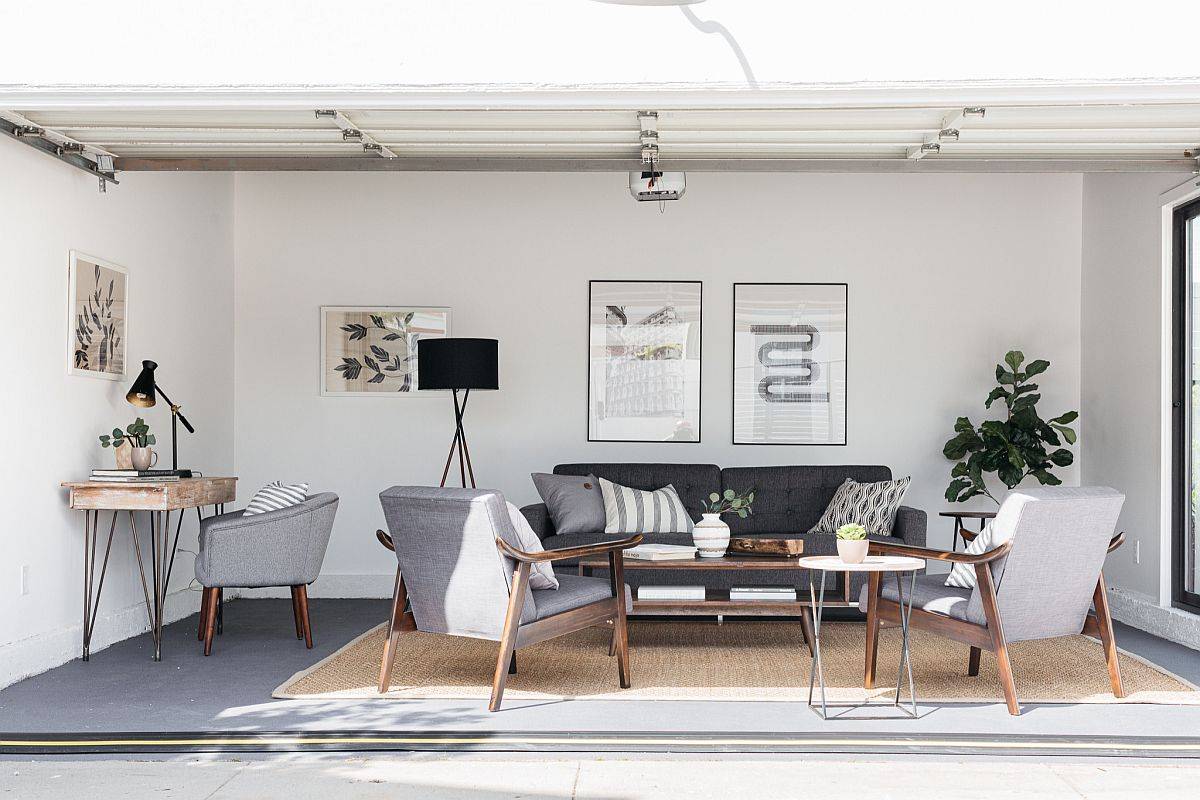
point(461, 571)
point(1041, 577)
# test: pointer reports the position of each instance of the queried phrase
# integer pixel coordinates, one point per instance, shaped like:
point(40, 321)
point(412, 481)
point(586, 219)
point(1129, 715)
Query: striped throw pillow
point(635, 511)
point(872, 505)
point(275, 496)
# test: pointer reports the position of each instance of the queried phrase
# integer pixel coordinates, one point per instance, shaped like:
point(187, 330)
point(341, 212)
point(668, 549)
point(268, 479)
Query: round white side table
point(894, 564)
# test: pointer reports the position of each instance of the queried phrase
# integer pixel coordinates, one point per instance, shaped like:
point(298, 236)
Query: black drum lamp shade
point(457, 363)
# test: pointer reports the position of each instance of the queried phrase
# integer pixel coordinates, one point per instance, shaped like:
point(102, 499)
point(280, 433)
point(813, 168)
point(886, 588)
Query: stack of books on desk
point(134, 475)
point(670, 593)
point(752, 593)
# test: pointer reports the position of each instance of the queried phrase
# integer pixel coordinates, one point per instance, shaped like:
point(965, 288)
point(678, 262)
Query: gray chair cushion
point(930, 594)
point(574, 502)
point(574, 592)
point(693, 482)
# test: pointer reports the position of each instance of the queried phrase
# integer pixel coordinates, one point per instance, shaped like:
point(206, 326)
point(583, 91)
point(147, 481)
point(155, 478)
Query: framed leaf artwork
point(97, 317)
point(372, 350)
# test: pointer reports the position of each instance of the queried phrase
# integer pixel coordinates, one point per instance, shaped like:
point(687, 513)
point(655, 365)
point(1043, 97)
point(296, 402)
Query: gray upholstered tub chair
point(461, 568)
point(1039, 576)
point(275, 548)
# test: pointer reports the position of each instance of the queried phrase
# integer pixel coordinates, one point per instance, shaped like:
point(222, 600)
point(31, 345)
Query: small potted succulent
point(132, 445)
point(711, 534)
point(852, 543)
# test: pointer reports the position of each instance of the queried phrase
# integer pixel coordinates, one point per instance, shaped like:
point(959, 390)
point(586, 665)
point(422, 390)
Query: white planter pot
point(852, 552)
point(711, 536)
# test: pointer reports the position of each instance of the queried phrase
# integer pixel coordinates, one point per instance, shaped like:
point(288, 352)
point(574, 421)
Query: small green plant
point(730, 501)
point(137, 433)
point(852, 532)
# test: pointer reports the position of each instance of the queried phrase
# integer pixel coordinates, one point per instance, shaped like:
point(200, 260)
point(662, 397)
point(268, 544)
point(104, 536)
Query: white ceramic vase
point(711, 536)
point(852, 551)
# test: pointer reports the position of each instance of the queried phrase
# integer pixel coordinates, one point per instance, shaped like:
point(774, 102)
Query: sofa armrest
point(538, 517)
point(910, 526)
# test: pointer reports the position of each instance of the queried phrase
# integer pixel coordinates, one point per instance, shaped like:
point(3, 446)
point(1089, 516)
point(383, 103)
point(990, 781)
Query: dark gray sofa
point(788, 501)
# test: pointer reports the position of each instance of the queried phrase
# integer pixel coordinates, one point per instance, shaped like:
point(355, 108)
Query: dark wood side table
point(959, 529)
point(160, 499)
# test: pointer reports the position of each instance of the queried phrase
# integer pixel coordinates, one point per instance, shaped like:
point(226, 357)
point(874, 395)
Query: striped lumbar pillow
point(635, 511)
point(275, 496)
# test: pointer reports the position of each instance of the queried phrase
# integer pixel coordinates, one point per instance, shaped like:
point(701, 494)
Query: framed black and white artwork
point(97, 317)
point(644, 361)
point(789, 363)
point(371, 351)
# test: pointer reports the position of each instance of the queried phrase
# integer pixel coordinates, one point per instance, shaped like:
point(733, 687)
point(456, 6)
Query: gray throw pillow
point(541, 573)
point(573, 501)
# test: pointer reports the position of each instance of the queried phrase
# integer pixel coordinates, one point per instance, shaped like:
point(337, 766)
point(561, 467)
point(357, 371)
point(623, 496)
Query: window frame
point(1182, 551)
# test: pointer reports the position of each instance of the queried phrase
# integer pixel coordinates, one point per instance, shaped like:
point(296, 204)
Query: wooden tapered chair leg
point(1107, 640)
point(508, 637)
point(302, 600)
point(612, 639)
point(296, 614)
point(874, 587)
point(616, 570)
point(973, 662)
point(203, 619)
point(991, 611)
point(399, 601)
point(209, 604)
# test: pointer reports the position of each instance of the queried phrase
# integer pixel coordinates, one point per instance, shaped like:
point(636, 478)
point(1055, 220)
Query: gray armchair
point(1041, 577)
point(276, 548)
point(461, 568)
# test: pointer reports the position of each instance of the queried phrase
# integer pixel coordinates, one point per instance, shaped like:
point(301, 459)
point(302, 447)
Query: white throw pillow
point(541, 574)
point(629, 510)
point(962, 576)
point(275, 496)
point(872, 505)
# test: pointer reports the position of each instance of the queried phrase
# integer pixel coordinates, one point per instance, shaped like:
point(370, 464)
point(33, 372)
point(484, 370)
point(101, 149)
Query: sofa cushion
point(790, 499)
point(629, 510)
point(871, 505)
point(693, 482)
point(573, 501)
point(573, 592)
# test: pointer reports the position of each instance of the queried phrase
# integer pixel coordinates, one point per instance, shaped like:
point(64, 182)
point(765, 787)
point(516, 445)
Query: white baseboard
point(26, 657)
point(337, 585)
point(1141, 611)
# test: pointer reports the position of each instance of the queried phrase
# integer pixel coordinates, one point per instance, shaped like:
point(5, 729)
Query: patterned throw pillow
point(635, 511)
point(962, 576)
point(275, 496)
point(872, 505)
point(541, 573)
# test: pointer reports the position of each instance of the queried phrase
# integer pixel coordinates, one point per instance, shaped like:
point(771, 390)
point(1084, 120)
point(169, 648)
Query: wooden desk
point(159, 499)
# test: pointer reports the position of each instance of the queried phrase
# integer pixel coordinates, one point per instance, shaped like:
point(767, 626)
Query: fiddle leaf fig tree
point(1016, 447)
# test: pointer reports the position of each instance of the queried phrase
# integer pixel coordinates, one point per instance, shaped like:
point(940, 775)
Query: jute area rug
point(700, 660)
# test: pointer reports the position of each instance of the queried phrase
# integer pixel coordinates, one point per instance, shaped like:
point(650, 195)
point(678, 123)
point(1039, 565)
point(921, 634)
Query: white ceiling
point(1132, 125)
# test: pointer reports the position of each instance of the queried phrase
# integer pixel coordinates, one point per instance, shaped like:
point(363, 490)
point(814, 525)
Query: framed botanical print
point(98, 317)
point(789, 363)
point(372, 350)
point(644, 361)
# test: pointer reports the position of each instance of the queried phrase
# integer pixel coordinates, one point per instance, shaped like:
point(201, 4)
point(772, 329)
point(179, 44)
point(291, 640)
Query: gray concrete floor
point(617, 778)
point(122, 690)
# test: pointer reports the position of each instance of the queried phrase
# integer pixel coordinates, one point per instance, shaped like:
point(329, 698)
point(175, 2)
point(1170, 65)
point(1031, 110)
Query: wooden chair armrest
point(968, 536)
point(887, 548)
point(385, 540)
point(1116, 541)
point(567, 552)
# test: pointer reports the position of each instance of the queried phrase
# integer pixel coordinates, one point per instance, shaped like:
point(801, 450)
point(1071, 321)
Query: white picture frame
point(97, 317)
point(359, 352)
point(790, 346)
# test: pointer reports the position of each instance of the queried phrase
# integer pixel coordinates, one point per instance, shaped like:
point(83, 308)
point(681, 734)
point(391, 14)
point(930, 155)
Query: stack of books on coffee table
point(670, 593)
point(134, 475)
point(757, 593)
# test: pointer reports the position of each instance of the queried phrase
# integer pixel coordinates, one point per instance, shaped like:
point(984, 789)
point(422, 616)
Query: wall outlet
point(23, 586)
point(1137, 551)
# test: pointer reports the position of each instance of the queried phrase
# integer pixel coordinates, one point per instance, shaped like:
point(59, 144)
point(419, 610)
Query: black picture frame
point(733, 367)
point(588, 363)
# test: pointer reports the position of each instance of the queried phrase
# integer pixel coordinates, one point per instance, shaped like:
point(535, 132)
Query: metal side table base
point(816, 676)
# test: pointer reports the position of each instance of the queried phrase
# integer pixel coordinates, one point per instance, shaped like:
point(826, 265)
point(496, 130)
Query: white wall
point(174, 234)
point(945, 274)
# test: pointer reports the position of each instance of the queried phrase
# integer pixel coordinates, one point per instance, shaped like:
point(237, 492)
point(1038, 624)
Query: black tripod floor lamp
point(142, 394)
point(458, 364)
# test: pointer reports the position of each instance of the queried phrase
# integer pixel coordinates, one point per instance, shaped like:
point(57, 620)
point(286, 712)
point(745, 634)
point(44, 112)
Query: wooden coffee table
point(716, 601)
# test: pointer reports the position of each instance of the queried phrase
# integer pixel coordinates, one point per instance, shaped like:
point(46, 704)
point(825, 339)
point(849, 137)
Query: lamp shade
point(457, 363)
point(142, 392)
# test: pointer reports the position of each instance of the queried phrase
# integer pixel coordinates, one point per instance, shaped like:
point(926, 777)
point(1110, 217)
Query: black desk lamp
point(142, 393)
point(458, 363)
